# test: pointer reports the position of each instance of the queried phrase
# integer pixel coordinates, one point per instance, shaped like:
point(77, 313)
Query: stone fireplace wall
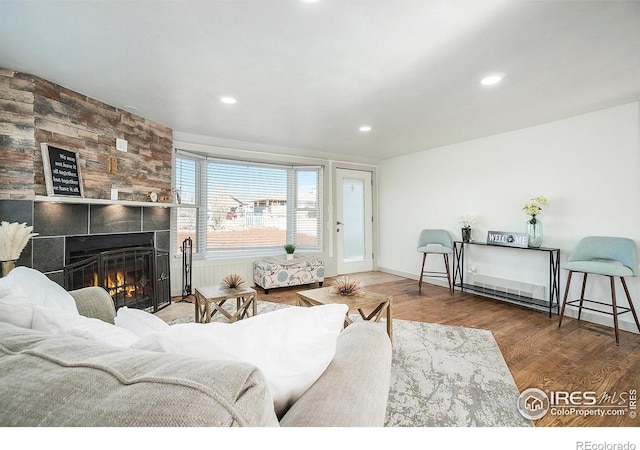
point(35, 111)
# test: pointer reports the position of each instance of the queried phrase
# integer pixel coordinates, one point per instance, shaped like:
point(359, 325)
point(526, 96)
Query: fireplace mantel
point(99, 201)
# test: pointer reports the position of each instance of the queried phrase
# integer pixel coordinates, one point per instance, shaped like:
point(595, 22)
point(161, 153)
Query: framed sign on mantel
point(61, 171)
point(508, 239)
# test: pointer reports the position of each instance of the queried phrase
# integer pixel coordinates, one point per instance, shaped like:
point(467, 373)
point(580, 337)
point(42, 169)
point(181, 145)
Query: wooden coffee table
point(210, 300)
point(379, 302)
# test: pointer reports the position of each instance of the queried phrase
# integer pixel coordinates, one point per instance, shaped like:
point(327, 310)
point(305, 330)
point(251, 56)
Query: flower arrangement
point(534, 207)
point(467, 221)
point(13, 239)
point(233, 281)
point(346, 286)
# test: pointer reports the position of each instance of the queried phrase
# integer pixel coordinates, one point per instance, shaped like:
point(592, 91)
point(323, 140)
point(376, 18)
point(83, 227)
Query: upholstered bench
point(277, 271)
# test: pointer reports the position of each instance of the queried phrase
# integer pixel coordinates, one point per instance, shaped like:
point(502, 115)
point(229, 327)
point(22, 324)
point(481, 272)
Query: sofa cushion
point(61, 381)
point(292, 346)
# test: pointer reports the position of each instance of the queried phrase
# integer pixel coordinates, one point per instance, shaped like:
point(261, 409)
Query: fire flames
point(115, 284)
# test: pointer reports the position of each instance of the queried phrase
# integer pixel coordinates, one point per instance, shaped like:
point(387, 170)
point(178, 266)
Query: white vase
point(289, 256)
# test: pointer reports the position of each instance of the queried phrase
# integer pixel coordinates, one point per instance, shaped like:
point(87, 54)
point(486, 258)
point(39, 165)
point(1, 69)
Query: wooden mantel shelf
point(100, 201)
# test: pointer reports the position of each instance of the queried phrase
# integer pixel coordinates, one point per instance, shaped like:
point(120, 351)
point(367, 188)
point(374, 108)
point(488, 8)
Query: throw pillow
point(37, 289)
point(138, 321)
point(54, 321)
point(292, 347)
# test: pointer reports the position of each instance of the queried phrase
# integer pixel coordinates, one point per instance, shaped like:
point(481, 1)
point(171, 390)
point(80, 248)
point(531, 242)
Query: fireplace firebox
point(129, 266)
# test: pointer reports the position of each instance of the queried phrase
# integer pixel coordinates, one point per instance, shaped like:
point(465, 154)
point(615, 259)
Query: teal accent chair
point(435, 242)
point(608, 256)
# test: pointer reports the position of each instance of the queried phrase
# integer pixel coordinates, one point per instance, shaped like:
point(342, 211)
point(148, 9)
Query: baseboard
point(413, 276)
point(587, 316)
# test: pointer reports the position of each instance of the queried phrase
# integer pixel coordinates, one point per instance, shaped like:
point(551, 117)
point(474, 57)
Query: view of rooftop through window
point(247, 208)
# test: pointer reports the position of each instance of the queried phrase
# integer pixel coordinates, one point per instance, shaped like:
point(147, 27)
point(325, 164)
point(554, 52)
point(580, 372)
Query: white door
point(354, 221)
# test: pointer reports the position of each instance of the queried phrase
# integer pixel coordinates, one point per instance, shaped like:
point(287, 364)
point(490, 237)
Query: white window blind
point(188, 176)
point(246, 208)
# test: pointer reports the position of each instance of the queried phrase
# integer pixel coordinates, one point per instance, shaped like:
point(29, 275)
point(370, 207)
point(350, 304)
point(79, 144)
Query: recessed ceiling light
point(309, 1)
point(365, 128)
point(492, 79)
point(228, 100)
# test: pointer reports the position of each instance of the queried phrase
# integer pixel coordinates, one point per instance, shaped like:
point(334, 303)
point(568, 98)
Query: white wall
point(587, 166)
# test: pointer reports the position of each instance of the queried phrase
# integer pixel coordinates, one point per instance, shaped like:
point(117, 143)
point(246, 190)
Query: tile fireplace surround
point(55, 221)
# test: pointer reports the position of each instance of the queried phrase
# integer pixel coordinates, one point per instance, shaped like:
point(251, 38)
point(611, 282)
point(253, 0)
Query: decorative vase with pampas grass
point(13, 239)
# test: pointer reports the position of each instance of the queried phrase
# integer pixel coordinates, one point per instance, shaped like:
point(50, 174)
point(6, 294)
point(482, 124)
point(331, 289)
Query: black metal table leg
point(458, 264)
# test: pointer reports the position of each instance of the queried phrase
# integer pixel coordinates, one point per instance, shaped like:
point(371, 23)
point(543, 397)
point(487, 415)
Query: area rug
point(443, 376)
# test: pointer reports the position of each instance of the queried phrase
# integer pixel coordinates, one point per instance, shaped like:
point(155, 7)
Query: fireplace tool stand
point(187, 252)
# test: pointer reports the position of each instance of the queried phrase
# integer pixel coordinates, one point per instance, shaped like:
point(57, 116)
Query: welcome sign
point(508, 239)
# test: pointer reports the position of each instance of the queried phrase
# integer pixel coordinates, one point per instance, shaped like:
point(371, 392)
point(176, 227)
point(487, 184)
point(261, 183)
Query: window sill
point(210, 257)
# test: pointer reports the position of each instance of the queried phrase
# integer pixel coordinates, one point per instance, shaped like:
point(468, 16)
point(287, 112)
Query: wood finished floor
point(579, 356)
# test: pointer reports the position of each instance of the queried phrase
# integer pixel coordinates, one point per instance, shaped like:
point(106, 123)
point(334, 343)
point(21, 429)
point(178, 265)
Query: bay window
point(239, 208)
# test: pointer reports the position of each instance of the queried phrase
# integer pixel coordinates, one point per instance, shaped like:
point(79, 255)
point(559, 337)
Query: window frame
point(202, 249)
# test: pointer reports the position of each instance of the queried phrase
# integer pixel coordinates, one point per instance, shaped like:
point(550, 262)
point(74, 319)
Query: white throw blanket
point(292, 347)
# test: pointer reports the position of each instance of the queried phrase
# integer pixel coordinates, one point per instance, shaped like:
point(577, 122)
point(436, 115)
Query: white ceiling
point(306, 76)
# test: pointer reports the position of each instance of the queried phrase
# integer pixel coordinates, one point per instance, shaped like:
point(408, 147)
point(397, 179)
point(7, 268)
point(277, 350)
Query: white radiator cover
point(509, 286)
point(210, 273)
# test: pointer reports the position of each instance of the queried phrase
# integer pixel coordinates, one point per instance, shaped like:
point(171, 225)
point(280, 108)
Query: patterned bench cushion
point(276, 272)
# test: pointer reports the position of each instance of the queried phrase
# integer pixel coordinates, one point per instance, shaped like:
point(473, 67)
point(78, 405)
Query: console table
point(554, 276)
